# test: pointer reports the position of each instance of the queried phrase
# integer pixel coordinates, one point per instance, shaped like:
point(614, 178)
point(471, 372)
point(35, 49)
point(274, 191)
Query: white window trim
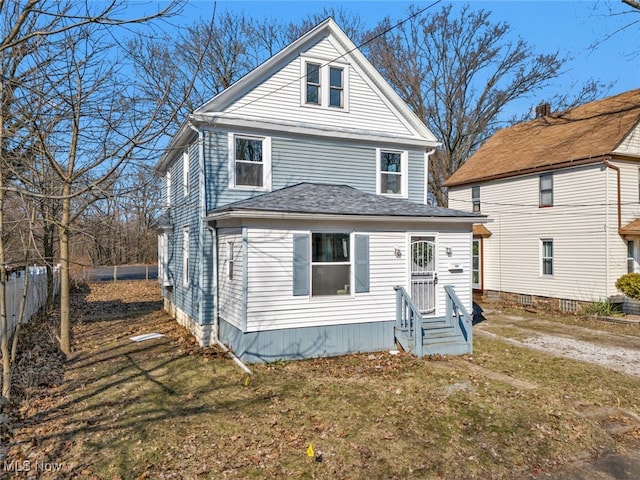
point(351, 293)
point(404, 167)
point(553, 263)
point(185, 172)
point(185, 256)
point(476, 200)
point(632, 261)
point(168, 184)
point(324, 84)
point(266, 163)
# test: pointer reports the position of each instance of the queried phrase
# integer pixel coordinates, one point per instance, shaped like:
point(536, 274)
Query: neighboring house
point(294, 200)
point(563, 195)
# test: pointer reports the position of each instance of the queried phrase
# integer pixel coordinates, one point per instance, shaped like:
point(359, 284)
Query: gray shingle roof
point(314, 198)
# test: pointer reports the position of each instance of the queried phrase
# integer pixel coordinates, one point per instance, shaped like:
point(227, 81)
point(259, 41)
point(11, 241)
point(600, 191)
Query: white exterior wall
point(589, 255)
point(631, 144)
point(279, 97)
point(231, 289)
point(271, 304)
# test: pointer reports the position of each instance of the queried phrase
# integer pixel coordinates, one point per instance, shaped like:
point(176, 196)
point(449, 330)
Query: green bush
point(601, 308)
point(629, 284)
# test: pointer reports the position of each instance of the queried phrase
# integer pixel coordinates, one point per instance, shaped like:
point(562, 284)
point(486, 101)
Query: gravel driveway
point(616, 351)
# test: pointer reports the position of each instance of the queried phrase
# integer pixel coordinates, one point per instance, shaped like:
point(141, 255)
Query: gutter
point(527, 171)
point(202, 211)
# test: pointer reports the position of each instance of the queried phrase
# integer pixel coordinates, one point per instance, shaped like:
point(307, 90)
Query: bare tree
point(458, 73)
point(86, 121)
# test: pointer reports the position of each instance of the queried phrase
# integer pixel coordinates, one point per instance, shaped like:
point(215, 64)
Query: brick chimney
point(543, 110)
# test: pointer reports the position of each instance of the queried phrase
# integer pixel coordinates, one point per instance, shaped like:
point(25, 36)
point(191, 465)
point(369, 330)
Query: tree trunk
point(4, 325)
point(65, 320)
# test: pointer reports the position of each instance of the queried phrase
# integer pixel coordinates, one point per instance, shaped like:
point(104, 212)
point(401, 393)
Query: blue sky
point(571, 27)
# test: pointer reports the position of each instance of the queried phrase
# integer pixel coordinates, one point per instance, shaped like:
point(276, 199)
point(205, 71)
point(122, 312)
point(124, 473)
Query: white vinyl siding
point(631, 144)
point(281, 97)
point(231, 283)
point(272, 305)
point(589, 254)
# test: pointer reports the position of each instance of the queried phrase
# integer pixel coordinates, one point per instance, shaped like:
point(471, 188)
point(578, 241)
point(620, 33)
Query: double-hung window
point(249, 162)
point(392, 172)
point(336, 87)
point(325, 84)
point(313, 95)
point(546, 190)
point(330, 263)
point(631, 256)
point(475, 198)
point(168, 186)
point(546, 257)
point(185, 172)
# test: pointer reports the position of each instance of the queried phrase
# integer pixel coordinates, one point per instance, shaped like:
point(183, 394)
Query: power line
point(357, 47)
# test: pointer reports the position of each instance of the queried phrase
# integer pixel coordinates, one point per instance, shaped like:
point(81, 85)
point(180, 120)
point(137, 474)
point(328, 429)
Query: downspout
point(426, 174)
point(202, 210)
point(607, 164)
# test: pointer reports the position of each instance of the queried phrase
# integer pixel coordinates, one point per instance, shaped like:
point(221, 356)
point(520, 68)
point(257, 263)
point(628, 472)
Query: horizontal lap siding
point(631, 145)
point(271, 304)
point(184, 213)
point(304, 160)
point(231, 290)
point(299, 160)
point(279, 98)
point(582, 224)
point(460, 279)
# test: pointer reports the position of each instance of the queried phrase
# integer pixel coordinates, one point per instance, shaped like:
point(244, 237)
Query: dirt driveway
point(615, 346)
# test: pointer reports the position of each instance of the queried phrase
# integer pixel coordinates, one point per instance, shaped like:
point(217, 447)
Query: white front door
point(423, 274)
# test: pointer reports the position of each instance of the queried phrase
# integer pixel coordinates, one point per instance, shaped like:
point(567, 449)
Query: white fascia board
point(175, 147)
point(388, 95)
point(309, 129)
point(266, 69)
point(273, 215)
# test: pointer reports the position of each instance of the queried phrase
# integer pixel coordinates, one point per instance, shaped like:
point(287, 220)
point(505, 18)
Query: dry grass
point(167, 409)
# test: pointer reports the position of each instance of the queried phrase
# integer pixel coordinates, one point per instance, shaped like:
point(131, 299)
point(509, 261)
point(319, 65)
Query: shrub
point(629, 284)
point(601, 308)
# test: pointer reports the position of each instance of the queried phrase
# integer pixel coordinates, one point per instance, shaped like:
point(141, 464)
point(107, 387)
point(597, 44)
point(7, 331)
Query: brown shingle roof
point(590, 130)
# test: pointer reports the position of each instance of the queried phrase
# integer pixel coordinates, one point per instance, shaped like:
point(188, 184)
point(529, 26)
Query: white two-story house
point(296, 222)
point(563, 195)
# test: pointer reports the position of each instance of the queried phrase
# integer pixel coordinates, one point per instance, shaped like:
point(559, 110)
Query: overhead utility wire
point(357, 47)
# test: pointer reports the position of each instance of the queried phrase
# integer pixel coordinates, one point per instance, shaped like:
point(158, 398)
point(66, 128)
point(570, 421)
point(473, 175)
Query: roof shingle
point(590, 130)
point(314, 198)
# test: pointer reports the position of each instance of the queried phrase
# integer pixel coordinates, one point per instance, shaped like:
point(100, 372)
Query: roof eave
point(532, 170)
point(278, 215)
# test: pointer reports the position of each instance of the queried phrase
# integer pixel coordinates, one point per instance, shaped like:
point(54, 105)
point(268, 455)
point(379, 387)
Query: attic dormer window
point(313, 84)
point(336, 87)
point(324, 85)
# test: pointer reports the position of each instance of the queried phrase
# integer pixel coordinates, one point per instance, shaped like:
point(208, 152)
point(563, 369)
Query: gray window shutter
point(362, 263)
point(301, 264)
